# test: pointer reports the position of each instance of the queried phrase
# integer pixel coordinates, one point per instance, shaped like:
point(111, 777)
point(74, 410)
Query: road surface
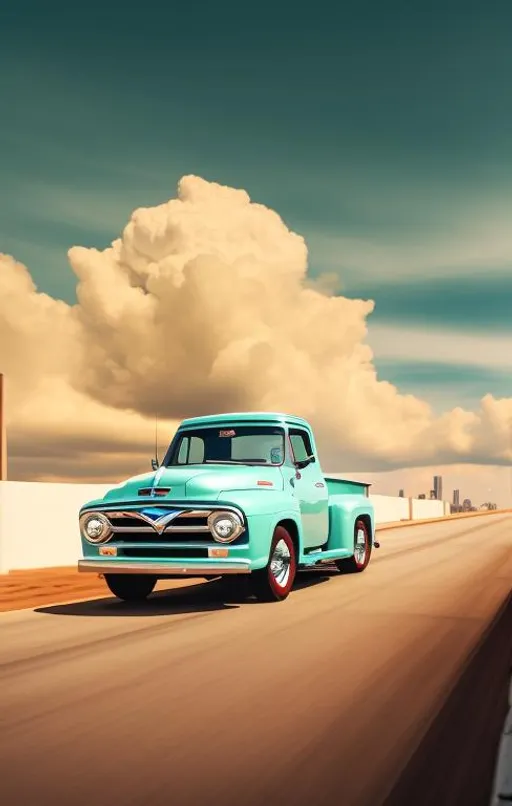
point(336, 696)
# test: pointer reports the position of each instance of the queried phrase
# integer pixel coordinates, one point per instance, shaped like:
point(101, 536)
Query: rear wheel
point(274, 582)
point(362, 551)
point(131, 587)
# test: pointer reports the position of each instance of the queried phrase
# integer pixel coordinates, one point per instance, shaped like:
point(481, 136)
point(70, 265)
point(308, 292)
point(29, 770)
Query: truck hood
point(198, 482)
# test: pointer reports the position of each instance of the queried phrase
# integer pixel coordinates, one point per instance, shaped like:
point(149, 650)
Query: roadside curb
point(444, 518)
point(502, 784)
point(455, 760)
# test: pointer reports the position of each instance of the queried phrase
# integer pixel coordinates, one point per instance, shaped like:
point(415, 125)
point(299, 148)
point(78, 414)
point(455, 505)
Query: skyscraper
point(456, 498)
point(438, 487)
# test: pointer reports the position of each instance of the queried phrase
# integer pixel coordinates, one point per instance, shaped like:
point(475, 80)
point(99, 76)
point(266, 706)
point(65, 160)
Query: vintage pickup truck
point(235, 494)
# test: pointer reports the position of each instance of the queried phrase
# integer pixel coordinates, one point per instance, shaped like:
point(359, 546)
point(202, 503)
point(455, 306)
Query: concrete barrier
point(39, 523)
point(502, 784)
point(425, 508)
point(389, 509)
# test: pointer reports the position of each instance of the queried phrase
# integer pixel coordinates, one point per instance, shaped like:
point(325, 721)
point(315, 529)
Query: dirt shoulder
point(36, 587)
point(39, 587)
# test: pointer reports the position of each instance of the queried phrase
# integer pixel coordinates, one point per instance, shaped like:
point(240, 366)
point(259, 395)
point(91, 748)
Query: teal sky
point(382, 132)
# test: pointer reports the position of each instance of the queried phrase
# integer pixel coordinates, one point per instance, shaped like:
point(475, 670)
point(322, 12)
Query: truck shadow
point(199, 597)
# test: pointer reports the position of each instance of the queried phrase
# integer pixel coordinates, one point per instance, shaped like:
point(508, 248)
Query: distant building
point(432, 495)
point(401, 494)
point(466, 505)
point(422, 495)
point(488, 505)
point(456, 499)
point(438, 488)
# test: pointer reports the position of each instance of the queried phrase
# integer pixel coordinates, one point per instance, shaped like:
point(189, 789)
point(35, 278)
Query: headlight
point(225, 526)
point(95, 527)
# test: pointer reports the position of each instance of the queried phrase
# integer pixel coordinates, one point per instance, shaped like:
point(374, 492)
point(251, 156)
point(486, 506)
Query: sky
point(379, 133)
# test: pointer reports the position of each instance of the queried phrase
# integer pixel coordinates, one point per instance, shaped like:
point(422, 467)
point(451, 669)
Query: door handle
point(319, 484)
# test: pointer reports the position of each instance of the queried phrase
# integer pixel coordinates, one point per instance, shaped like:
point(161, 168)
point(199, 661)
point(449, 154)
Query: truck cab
point(235, 494)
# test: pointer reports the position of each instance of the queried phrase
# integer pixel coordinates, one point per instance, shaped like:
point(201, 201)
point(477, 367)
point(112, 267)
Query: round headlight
point(95, 527)
point(225, 526)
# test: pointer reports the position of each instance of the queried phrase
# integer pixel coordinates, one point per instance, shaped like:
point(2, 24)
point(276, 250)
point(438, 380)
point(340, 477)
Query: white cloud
point(477, 247)
point(203, 305)
point(73, 207)
point(442, 346)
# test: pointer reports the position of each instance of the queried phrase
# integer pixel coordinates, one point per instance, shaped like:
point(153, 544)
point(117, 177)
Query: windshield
point(247, 445)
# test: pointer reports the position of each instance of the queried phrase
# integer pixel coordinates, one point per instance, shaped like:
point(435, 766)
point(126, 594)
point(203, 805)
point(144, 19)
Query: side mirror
point(154, 464)
point(305, 462)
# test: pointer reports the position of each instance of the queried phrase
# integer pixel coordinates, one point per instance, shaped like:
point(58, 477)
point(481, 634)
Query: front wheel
point(362, 551)
point(274, 582)
point(130, 587)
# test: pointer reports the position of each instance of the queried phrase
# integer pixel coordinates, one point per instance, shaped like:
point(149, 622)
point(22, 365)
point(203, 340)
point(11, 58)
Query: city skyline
point(436, 493)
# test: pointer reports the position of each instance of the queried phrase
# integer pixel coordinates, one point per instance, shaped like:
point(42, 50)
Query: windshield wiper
point(235, 462)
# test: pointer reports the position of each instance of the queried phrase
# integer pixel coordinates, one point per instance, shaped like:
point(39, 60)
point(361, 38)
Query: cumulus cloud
point(204, 305)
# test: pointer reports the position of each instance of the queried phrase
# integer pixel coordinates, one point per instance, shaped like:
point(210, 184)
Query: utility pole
point(3, 431)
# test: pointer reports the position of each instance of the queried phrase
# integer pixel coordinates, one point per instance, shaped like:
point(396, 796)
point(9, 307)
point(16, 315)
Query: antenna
point(154, 462)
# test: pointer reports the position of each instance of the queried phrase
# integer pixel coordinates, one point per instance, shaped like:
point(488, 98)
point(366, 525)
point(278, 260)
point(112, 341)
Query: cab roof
point(246, 417)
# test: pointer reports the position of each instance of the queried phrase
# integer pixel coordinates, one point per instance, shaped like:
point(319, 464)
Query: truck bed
point(337, 486)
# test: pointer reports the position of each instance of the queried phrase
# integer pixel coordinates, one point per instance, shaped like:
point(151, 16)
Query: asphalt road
point(356, 691)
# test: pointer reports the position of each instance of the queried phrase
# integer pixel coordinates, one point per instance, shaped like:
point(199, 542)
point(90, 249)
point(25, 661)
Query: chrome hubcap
point(280, 563)
point(360, 547)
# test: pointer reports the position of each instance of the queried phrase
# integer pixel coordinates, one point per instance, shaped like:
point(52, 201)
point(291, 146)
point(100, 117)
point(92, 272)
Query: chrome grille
point(173, 526)
point(122, 523)
point(188, 522)
point(166, 537)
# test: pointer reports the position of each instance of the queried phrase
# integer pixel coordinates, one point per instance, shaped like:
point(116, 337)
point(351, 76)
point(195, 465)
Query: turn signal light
point(265, 483)
point(218, 552)
point(108, 551)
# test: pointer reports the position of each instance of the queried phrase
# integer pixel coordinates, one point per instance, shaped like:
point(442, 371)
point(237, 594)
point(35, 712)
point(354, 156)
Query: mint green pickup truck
point(236, 494)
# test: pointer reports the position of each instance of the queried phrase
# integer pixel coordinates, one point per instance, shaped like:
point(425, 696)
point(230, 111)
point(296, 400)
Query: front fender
point(95, 502)
point(264, 509)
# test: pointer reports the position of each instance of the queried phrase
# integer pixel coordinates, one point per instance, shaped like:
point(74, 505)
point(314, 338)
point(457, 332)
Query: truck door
point(310, 488)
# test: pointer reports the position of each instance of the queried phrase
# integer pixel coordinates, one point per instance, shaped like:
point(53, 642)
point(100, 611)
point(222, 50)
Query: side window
point(301, 445)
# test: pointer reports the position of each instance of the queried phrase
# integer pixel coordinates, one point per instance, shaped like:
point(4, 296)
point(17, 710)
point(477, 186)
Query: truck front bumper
point(190, 569)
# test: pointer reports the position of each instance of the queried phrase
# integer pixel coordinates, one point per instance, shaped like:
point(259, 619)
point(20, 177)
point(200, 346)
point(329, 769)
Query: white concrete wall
point(388, 508)
point(39, 521)
point(426, 508)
